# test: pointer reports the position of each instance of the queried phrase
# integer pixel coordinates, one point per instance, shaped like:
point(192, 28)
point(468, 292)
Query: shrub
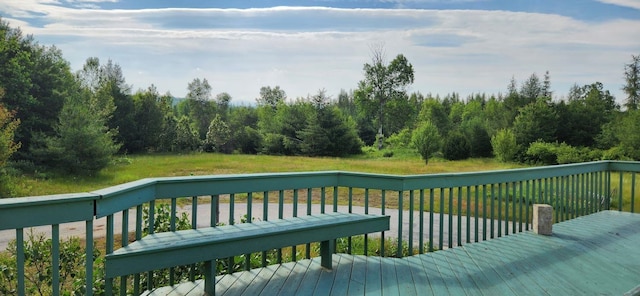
point(504, 145)
point(401, 139)
point(456, 147)
point(541, 152)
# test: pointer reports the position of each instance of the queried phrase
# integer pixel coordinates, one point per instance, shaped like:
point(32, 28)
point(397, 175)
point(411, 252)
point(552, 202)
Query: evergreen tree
point(83, 144)
point(632, 86)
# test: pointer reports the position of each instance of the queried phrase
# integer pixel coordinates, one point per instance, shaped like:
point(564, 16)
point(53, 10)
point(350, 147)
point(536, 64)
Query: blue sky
point(464, 46)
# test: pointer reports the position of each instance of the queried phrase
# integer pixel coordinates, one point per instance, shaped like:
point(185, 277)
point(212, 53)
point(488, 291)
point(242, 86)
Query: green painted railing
point(428, 212)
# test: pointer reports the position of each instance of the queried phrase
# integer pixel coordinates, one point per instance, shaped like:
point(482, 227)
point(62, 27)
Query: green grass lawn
point(135, 167)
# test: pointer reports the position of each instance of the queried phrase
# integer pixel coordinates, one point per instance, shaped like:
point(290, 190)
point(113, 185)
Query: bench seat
point(169, 249)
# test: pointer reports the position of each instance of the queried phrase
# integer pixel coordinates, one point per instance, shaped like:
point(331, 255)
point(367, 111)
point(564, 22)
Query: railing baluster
point(172, 227)
point(280, 216)
point(139, 221)
point(484, 212)
point(55, 260)
point(400, 220)
point(450, 212)
point(295, 214)
point(109, 249)
point(335, 199)
point(493, 198)
point(410, 238)
point(366, 211)
point(265, 206)
point(520, 202)
point(247, 257)
point(322, 199)
point(620, 191)
point(528, 204)
point(477, 197)
point(468, 232)
point(124, 241)
point(459, 212)
point(633, 191)
point(215, 214)
point(350, 209)
point(516, 200)
point(441, 230)
point(309, 202)
point(383, 206)
point(88, 264)
point(421, 222)
point(20, 260)
point(232, 202)
point(431, 210)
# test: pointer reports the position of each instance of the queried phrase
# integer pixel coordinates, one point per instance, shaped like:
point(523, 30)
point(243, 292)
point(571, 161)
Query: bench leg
point(210, 278)
point(326, 250)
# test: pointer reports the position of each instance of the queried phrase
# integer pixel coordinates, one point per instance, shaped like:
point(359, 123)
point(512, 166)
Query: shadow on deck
point(591, 255)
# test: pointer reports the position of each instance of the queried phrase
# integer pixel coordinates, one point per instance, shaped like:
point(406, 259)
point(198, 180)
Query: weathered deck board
point(591, 255)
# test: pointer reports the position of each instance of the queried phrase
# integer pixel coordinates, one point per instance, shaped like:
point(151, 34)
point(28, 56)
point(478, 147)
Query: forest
point(56, 120)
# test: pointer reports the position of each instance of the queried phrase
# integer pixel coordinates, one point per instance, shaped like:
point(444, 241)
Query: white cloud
point(305, 49)
point(624, 3)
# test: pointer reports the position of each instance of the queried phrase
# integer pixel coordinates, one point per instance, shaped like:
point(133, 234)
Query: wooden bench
point(169, 249)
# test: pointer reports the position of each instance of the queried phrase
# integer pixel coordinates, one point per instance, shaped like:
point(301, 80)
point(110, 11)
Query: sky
point(303, 46)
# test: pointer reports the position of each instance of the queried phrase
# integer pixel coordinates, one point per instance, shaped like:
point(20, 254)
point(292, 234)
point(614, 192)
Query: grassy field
point(135, 167)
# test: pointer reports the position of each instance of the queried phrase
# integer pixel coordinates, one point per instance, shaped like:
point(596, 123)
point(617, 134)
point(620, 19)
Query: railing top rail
point(33, 211)
point(121, 197)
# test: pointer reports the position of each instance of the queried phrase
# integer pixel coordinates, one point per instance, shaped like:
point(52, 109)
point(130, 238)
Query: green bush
point(615, 153)
point(541, 152)
point(456, 147)
point(401, 139)
point(504, 145)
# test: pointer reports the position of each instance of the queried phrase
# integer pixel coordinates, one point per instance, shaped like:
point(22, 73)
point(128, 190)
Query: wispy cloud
point(624, 3)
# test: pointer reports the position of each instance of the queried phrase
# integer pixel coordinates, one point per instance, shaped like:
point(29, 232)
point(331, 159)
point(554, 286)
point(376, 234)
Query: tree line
point(68, 122)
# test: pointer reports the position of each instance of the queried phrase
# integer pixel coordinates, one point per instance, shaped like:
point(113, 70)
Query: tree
point(8, 146)
point(456, 147)
point(426, 140)
point(148, 119)
point(434, 112)
point(83, 144)
point(629, 136)
point(589, 108)
point(217, 136)
point(243, 123)
point(328, 132)
point(222, 102)
point(536, 121)
point(632, 86)
point(187, 138)
point(381, 84)
point(201, 108)
point(35, 80)
point(504, 145)
point(271, 96)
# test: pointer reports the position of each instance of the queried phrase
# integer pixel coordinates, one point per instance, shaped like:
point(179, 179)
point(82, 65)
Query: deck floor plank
point(342, 275)
point(327, 278)
point(591, 255)
point(420, 276)
point(358, 276)
point(295, 278)
point(406, 282)
point(389, 276)
point(311, 277)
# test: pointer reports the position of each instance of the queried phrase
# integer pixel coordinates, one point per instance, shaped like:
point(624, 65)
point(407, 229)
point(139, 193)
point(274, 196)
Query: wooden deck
point(592, 255)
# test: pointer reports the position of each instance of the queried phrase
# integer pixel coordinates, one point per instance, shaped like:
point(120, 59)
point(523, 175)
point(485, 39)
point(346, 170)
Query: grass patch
point(403, 162)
